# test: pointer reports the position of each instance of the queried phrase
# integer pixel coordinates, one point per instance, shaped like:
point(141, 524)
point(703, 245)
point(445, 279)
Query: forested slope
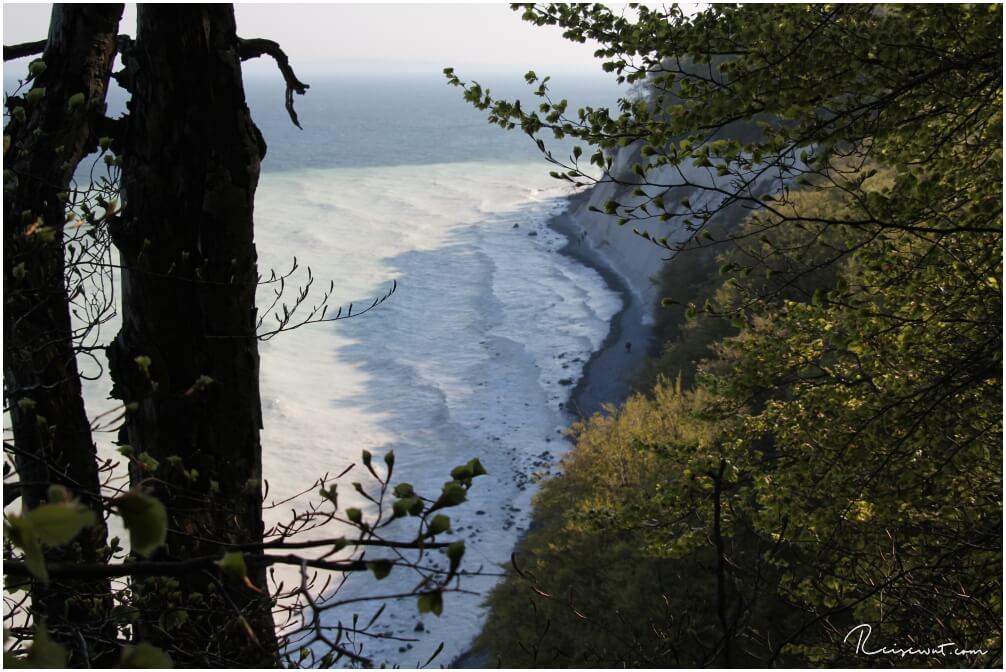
point(811, 473)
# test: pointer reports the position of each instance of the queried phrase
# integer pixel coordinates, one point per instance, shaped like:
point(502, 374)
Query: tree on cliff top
point(831, 89)
point(856, 465)
point(177, 204)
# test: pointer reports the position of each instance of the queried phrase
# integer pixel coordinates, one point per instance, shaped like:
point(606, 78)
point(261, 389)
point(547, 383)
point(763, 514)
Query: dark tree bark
point(52, 436)
point(190, 166)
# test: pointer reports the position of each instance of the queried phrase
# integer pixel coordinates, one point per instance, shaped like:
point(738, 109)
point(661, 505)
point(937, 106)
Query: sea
point(396, 183)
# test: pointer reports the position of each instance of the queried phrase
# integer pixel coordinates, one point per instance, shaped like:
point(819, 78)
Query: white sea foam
point(471, 357)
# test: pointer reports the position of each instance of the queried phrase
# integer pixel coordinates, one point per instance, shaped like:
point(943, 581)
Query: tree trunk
point(191, 163)
point(52, 435)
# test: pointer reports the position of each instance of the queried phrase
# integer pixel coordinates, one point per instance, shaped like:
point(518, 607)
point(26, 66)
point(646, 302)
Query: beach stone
point(533, 233)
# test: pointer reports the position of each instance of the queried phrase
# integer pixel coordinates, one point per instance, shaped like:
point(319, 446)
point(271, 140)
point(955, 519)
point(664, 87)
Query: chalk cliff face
point(630, 255)
point(635, 258)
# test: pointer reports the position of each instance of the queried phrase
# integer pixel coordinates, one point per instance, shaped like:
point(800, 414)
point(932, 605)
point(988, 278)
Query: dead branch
point(24, 49)
point(255, 47)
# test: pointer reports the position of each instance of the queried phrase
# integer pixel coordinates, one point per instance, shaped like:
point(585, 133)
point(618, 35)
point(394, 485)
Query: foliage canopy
point(844, 462)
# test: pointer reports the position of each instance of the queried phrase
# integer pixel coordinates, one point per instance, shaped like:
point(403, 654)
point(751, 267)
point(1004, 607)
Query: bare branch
point(24, 49)
point(256, 47)
point(172, 567)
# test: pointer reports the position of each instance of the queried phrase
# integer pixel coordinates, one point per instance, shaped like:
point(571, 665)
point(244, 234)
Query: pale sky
point(369, 38)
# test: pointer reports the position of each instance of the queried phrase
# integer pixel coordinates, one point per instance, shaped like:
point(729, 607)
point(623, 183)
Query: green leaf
point(414, 505)
point(439, 524)
point(172, 619)
point(146, 519)
point(33, 558)
point(144, 656)
point(148, 462)
point(431, 603)
point(13, 583)
point(400, 507)
point(144, 362)
point(477, 468)
point(12, 662)
point(455, 552)
point(233, 565)
point(354, 515)
point(404, 490)
point(57, 524)
point(19, 530)
point(331, 494)
point(45, 652)
point(452, 494)
point(75, 101)
point(462, 472)
point(380, 568)
point(57, 494)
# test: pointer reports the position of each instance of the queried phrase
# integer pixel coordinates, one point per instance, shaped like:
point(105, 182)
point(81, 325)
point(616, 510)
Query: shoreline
point(607, 373)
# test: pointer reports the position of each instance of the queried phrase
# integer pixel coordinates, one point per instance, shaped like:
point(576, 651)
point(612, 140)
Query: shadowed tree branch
point(255, 47)
point(24, 49)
